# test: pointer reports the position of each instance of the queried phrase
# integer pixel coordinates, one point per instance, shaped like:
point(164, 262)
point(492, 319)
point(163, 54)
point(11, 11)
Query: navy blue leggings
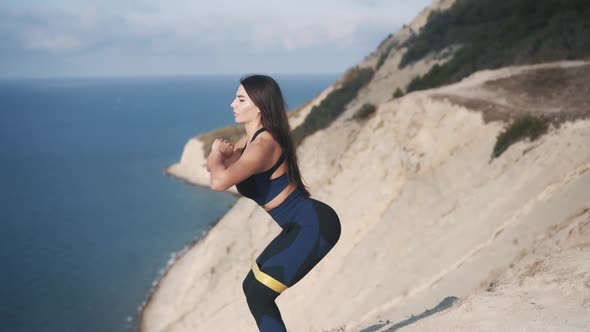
point(310, 229)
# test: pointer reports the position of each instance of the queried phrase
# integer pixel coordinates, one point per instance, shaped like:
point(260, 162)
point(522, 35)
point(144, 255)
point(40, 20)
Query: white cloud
point(243, 31)
point(56, 43)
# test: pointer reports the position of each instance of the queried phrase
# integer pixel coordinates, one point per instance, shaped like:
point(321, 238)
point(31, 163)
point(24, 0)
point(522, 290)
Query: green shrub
point(384, 40)
point(322, 115)
point(385, 54)
point(493, 34)
point(382, 58)
point(523, 127)
point(398, 93)
point(364, 112)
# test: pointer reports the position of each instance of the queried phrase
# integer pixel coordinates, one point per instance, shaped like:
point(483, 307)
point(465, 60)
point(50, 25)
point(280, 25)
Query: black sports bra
point(259, 187)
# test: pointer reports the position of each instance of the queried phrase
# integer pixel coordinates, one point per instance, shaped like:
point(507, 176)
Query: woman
point(268, 173)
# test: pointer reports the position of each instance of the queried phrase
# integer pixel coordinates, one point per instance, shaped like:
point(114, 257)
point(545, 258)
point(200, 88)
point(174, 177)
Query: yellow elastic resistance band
point(267, 280)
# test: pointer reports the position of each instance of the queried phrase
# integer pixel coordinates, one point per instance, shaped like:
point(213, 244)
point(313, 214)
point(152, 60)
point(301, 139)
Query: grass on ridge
point(523, 127)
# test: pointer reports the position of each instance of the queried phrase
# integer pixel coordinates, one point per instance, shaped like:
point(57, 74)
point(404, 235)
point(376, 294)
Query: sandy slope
point(551, 294)
point(426, 215)
point(429, 219)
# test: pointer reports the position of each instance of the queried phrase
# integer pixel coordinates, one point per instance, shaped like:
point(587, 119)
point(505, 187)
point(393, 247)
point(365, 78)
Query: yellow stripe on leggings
point(267, 280)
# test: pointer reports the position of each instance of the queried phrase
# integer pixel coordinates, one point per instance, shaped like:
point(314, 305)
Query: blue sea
point(88, 219)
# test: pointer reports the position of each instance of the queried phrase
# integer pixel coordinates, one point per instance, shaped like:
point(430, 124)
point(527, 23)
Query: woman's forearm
point(215, 161)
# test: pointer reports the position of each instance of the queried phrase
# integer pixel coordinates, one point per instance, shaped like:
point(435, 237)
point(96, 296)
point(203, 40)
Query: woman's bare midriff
point(280, 197)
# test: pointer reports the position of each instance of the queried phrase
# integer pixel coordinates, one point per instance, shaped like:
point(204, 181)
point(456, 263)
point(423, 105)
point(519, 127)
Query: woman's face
point(244, 108)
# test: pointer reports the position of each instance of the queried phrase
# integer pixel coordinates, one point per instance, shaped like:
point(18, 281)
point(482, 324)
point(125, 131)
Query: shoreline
point(196, 183)
point(137, 317)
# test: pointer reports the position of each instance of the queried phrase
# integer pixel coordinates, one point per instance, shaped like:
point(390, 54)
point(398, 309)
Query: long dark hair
point(267, 96)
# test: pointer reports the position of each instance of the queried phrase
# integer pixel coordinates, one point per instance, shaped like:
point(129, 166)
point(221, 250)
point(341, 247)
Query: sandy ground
point(428, 219)
point(551, 294)
point(437, 235)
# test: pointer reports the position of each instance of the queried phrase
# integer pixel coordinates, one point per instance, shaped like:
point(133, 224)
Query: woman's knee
point(259, 296)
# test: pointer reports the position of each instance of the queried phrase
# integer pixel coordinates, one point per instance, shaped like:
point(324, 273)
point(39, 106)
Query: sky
point(64, 38)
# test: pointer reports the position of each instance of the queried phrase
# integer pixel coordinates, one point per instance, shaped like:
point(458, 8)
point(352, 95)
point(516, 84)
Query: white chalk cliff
point(426, 214)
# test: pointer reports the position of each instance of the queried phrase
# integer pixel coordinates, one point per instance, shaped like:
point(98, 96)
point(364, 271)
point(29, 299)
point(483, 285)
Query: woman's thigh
point(303, 242)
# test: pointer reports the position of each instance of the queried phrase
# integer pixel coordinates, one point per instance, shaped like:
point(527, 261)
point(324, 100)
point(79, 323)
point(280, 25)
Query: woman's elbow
point(217, 188)
point(217, 185)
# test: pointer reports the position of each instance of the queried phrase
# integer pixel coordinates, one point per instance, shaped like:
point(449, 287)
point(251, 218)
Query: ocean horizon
point(234, 76)
point(88, 219)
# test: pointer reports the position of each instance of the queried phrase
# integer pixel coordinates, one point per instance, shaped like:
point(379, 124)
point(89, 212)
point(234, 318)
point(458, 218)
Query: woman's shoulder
point(265, 145)
point(241, 142)
point(267, 140)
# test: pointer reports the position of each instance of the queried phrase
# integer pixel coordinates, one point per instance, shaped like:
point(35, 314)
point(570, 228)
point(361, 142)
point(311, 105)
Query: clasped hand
point(224, 147)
